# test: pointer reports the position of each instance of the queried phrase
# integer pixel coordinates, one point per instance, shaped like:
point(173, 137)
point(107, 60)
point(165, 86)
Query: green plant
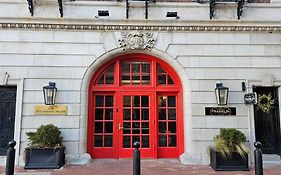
point(46, 136)
point(230, 140)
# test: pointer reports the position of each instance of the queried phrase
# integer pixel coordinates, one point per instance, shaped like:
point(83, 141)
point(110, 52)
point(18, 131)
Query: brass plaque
point(50, 110)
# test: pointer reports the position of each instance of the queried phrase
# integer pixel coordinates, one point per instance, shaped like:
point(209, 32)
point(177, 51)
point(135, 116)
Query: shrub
point(230, 140)
point(46, 136)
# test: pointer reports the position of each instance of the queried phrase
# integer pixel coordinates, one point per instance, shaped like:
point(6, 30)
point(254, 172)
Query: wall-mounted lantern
point(50, 92)
point(221, 94)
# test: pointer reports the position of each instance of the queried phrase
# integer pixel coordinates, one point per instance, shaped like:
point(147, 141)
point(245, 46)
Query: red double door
point(135, 97)
point(122, 118)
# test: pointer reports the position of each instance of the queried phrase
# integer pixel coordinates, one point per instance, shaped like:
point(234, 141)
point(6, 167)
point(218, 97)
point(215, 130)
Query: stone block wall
point(204, 57)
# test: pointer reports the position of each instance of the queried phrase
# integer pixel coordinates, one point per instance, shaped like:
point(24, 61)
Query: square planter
point(44, 158)
point(235, 163)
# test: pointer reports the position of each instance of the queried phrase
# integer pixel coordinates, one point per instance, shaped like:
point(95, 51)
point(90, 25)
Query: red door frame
point(116, 88)
point(127, 152)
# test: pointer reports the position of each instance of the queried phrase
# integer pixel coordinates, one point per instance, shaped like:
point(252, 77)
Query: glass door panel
point(167, 125)
point(135, 124)
point(103, 130)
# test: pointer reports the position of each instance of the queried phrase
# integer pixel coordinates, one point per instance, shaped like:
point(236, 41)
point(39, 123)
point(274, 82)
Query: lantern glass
point(221, 94)
point(50, 93)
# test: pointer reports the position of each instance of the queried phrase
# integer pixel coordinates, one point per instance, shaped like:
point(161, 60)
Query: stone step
point(271, 159)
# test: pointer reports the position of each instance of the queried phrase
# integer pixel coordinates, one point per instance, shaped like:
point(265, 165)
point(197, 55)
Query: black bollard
point(10, 159)
point(136, 163)
point(258, 159)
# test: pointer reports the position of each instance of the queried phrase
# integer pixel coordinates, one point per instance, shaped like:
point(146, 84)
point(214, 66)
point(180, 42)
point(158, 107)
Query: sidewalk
point(148, 167)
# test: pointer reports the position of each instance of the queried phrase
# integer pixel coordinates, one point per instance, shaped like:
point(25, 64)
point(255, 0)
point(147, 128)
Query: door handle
point(120, 126)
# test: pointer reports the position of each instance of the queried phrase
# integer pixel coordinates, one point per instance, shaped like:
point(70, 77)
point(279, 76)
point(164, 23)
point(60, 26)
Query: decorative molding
point(193, 28)
point(137, 40)
point(3, 77)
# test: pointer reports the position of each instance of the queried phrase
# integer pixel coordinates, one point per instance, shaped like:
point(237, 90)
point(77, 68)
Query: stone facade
point(68, 50)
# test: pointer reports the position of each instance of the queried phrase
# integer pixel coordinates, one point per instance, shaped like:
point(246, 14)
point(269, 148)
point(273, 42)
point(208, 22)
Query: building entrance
point(267, 120)
point(7, 116)
point(135, 97)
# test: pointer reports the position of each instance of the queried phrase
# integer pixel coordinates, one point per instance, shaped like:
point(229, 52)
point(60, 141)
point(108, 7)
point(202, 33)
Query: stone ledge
point(196, 28)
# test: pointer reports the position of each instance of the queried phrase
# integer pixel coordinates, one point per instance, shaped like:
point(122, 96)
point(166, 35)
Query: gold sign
point(50, 110)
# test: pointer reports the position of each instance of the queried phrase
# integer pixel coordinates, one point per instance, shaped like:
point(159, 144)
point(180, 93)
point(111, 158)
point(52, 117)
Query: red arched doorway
point(135, 97)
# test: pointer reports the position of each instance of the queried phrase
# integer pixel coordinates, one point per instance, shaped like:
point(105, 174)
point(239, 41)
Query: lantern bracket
point(30, 7)
point(239, 3)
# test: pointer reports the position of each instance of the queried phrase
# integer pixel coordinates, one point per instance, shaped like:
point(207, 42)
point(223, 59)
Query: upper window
point(135, 73)
point(163, 78)
point(107, 77)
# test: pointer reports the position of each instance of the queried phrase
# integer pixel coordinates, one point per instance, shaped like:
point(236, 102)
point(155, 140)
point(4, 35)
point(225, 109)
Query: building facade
point(131, 71)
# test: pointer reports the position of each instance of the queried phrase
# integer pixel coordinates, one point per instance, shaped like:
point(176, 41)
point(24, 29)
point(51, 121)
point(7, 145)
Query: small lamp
point(50, 92)
point(221, 94)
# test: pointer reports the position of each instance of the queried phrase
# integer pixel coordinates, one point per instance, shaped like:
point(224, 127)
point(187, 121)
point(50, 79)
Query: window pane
point(172, 127)
point(98, 127)
point(136, 128)
point(162, 114)
point(172, 114)
point(136, 101)
point(145, 79)
point(98, 114)
point(145, 127)
point(98, 141)
point(136, 114)
point(171, 101)
point(136, 79)
point(145, 114)
point(109, 101)
point(107, 141)
point(145, 68)
point(162, 127)
point(162, 141)
point(127, 128)
point(99, 101)
point(127, 101)
point(160, 70)
point(170, 80)
point(145, 142)
point(126, 142)
point(136, 67)
point(101, 80)
point(125, 68)
point(108, 128)
point(162, 79)
point(144, 101)
point(172, 140)
point(109, 79)
point(162, 101)
point(109, 114)
point(107, 76)
point(125, 79)
point(126, 114)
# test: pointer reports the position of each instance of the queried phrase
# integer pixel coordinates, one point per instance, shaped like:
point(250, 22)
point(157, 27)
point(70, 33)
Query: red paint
point(141, 121)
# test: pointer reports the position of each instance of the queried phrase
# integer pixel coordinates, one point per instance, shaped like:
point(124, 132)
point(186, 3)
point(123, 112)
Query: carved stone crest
point(137, 40)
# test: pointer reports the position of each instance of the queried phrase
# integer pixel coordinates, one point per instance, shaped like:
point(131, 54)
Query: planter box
point(44, 158)
point(235, 163)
